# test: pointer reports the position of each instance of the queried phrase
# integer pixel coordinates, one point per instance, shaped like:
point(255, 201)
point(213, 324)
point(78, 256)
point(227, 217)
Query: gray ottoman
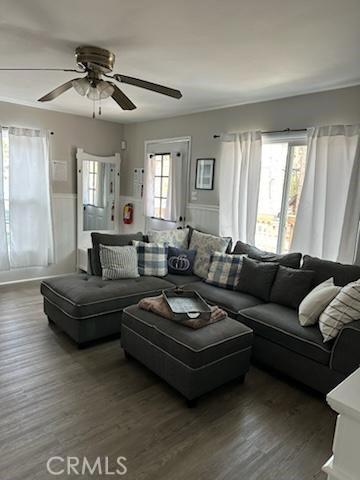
point(194, 362)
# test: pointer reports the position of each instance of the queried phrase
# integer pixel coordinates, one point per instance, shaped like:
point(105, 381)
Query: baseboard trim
point(35, 279)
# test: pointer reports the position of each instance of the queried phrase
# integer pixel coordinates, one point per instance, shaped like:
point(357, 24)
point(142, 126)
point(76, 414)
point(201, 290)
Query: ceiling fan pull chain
point(100, 107)
point(93, 115)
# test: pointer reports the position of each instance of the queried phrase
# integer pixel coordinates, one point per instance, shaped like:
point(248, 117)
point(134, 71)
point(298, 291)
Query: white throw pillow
point(345, 308)
point(316, 301)
point(118, 262)
point(178, 238)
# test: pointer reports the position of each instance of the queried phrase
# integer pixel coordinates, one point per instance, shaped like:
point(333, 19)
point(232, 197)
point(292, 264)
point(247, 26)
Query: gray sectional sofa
point(88, 308)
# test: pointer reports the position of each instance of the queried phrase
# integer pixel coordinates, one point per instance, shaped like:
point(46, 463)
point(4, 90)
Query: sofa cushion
point(178, 238)
point(192, 230)
point(291, 286)
point(324, 269)
point(180, 280)
point(287, 260)
point(280, 325)
point(257, 278)
point(224, 270)
point(316, 301)
point(230, 300)
point(118, 262)
point(180, 261)
point(343, 309)
point(110, 239)
point(152, 258)
point(195, 348)
point(83, 296)
point(205, 245)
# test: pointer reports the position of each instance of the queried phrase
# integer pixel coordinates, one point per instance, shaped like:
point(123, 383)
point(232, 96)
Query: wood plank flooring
point(56, 400)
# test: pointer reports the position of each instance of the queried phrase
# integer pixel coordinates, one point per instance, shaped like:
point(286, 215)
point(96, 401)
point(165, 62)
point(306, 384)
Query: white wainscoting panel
point(203, 217)
point(64, 218)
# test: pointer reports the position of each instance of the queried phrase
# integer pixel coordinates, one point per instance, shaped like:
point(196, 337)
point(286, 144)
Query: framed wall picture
point(204, 179)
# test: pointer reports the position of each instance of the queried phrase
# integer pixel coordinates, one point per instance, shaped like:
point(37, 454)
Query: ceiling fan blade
point(121, 99)
point(170, 92)
point(41, 69)
point(57, 91)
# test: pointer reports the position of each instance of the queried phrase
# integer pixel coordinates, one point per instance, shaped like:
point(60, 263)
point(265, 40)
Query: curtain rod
point(50, 131)
point(286, 130)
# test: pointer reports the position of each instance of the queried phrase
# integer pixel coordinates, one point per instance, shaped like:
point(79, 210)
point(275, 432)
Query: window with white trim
point(282, 176)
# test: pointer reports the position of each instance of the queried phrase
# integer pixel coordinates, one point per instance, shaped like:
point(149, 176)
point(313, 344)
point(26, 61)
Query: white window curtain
point(329, 209)
point(31, 233)
point(240, 167)
point(149, 186)
point(4, 257)
point(175, 201)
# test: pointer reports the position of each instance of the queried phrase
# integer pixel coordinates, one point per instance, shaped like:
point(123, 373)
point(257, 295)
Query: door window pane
point(296, 180)
point(158, 165)
point(157, 186)
point(282, 176)
point(165, 187)
point(273, 164)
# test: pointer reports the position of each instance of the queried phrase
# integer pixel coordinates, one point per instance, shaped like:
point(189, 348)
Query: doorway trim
point(183, 139)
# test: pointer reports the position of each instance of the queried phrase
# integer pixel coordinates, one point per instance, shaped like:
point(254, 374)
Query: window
point(161, 183)
point(282, 176)
point(93, 173)
point(26, 237)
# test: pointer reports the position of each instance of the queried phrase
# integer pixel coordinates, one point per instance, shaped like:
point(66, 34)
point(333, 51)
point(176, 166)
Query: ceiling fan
point(96, 63)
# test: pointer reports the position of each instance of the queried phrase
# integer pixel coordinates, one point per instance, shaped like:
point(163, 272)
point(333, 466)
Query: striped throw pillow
point(224, 270)
point(152, 258)
point(345, 308)
point(118, 262)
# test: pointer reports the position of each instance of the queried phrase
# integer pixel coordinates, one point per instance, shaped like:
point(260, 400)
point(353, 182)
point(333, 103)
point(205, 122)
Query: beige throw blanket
point(159, 306)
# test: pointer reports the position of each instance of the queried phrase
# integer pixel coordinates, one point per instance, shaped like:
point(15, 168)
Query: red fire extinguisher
point(128, 213)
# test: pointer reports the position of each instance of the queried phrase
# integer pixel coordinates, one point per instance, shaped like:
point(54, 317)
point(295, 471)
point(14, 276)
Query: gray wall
point(70, 131)
point(336, 106)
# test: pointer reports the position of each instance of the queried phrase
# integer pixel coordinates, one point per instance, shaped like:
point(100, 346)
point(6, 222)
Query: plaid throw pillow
point(224, 270)
point(152, 258)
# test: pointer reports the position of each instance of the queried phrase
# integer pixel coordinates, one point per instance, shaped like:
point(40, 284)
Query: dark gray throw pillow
point(287, 260)
point(180, 261)
point(324, 269)
point(109, 239)
point(257, 278)
point(291, 286)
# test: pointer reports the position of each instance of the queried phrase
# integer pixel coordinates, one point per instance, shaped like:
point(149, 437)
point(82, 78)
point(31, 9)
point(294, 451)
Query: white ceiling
point(217, 52)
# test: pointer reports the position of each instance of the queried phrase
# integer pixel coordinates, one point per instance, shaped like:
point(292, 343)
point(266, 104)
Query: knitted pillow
point(118, 262)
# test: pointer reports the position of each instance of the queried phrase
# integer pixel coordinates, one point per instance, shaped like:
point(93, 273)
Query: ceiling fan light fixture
point(101, 91)
point(81, 85)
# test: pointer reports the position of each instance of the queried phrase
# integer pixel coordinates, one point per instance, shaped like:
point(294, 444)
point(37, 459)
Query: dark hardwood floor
point(56, 400)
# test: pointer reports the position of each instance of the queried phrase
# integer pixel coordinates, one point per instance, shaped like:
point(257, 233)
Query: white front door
point(165, 181)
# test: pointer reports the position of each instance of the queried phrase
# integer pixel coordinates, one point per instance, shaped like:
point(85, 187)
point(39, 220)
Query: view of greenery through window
point(282, 177)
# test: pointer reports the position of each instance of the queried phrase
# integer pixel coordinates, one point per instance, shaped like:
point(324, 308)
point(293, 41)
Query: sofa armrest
point(345, 355)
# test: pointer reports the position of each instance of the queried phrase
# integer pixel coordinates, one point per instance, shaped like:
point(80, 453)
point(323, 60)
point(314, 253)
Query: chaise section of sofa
point(281, 343)
point(88, 308)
